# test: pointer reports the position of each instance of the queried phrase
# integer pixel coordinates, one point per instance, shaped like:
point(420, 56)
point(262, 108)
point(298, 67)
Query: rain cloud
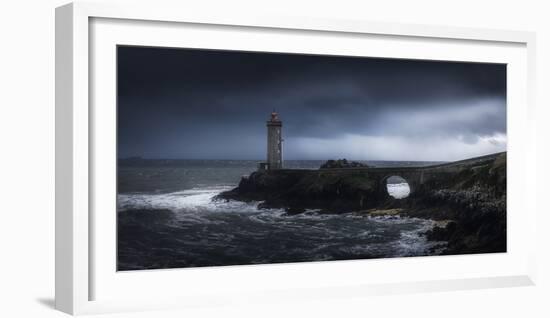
point(205, 104)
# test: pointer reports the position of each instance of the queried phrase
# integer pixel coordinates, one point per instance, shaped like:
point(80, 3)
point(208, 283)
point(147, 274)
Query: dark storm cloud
point(175, 103)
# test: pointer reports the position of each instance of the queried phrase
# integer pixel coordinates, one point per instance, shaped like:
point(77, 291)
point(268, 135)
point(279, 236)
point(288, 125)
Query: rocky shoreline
point(470, 205)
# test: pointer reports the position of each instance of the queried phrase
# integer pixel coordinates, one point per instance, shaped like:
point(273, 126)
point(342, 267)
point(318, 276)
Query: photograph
point(229, 157)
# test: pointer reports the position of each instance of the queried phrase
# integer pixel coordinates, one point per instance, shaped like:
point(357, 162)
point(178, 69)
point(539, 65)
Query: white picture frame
point(78, 250)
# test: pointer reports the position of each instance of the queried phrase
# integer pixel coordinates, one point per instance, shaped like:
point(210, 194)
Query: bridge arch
point(396, 185)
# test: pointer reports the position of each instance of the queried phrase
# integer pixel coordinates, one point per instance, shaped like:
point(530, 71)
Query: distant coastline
point(316, 163)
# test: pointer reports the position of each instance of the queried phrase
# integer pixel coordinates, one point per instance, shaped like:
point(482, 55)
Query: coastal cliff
point(469, 197)
point(475, 201)
point(298, 190)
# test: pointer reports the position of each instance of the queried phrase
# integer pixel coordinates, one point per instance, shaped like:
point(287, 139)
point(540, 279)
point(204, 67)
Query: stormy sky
point(206, 104)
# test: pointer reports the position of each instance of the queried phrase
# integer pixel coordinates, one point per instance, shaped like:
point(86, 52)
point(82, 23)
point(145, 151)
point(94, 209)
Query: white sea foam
point(198, 206)
point(399, 190)
point(414, 243)
point(192, 204)
point(188, 199)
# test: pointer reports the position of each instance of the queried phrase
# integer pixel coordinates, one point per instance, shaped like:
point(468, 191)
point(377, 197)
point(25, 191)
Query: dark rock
point(476, 200)
point(441, 233)
point(300, 190)
point(342, 163)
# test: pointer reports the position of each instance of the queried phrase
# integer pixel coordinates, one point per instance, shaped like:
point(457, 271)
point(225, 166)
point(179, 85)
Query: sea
point(168, 217)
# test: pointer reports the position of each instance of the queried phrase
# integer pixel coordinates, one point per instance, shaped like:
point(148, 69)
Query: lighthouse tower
point(274, 143)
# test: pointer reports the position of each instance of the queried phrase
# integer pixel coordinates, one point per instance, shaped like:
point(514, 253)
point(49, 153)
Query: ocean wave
point(413, 242)
point(197, 199)
point(399, 190)
point(202, 221)
point(197, 205)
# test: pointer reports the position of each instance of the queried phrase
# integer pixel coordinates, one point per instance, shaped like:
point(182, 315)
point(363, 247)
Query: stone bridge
point(415, 176)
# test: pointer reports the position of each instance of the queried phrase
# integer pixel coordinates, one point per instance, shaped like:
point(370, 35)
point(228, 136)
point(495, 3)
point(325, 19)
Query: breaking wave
point(399, 190)
point(192, 200)
point(191, 228)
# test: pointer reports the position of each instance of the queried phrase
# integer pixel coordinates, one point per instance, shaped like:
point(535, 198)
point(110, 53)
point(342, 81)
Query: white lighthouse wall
point(274, 146)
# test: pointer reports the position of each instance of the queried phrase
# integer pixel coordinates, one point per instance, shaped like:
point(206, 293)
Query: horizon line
point(264, 160)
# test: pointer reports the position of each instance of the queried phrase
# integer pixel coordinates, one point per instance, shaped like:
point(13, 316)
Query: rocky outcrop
point(476, 200)
point(298, 190)
point(472, 196)
point(342, 163)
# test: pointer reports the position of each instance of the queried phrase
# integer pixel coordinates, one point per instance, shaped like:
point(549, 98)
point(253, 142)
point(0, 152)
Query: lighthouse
point(274, 142)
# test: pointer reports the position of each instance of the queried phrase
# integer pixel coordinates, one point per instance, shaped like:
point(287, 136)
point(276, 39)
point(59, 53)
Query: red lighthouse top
point(274, 116)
